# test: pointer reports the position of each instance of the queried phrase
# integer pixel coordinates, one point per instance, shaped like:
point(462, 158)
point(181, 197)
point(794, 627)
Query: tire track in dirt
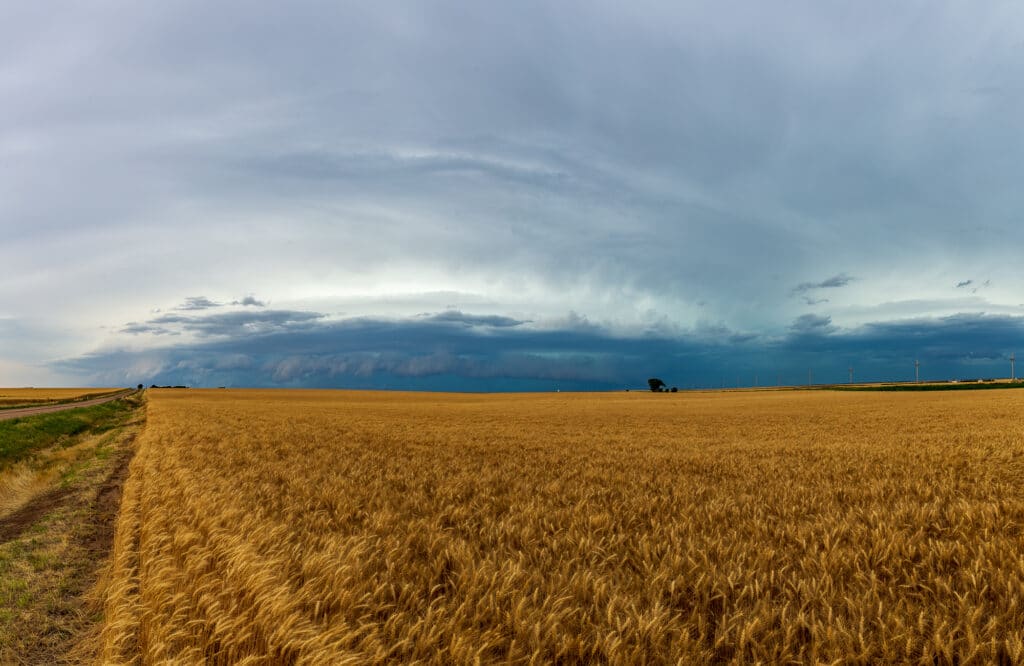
point(106, 503)
point(14, 525)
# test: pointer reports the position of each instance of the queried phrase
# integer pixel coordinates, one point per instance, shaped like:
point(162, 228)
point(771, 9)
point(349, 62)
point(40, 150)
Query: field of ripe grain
point(31, 396)
point(345, 527)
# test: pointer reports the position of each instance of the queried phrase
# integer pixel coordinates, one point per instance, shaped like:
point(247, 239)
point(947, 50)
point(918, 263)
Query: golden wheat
point(19, 396)
point(342, 527)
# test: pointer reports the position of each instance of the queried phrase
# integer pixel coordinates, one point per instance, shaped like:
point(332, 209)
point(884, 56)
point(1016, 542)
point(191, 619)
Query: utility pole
point(851, 373)
point(755, 380)
point(1013, 370)
point(917, 371)
point(808, 376)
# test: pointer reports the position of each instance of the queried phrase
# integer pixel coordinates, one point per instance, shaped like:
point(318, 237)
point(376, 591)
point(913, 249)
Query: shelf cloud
point(483, 352)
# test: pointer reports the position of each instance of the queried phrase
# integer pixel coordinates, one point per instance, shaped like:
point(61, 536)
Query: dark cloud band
point(457, 351)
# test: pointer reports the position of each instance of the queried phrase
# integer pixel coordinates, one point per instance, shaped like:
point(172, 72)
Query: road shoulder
point(54, 549)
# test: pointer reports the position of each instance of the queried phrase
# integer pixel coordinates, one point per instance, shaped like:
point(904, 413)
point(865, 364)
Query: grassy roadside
point(56, 532)
point(22, 438)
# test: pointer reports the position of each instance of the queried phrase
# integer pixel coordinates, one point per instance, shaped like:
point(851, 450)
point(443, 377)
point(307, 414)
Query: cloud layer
point(659, 170)
point(457, 351)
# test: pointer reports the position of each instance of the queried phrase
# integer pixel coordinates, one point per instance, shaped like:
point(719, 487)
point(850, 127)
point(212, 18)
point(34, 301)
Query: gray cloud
point(198, 303)
point(135, 328)
point(204, 303)
point(421, 352)
point(368, 352)
point(457, 317)
point(245, 323)
point(228, 323)
point(956, 343)
point(974, 286)
point(833, 282)
point(811, 323)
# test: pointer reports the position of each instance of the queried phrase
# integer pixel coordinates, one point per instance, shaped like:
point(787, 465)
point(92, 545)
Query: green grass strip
point(19, 438)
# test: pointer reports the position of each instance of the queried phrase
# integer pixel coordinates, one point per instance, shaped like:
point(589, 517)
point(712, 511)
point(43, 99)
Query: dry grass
point(337, 527)
point(55, 533)
point(21, 482)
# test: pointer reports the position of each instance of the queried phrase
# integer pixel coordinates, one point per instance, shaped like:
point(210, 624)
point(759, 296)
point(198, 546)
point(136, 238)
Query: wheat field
point(322, 527)
point(28, 396)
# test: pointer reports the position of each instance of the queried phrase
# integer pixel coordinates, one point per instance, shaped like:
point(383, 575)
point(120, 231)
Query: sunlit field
point(10, 397)
point(348, 527)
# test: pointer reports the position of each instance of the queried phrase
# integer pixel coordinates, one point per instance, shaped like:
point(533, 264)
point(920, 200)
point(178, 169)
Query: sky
point(509, 196)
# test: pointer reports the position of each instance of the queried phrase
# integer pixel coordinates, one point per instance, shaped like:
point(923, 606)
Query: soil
point(107, 504)
point(18, 522)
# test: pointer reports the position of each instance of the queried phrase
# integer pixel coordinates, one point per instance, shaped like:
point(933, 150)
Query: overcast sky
point(527, 195)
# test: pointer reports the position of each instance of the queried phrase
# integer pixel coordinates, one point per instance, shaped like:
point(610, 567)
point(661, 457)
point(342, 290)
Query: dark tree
point(140, 387)
point(655, 384)
point(674, 389)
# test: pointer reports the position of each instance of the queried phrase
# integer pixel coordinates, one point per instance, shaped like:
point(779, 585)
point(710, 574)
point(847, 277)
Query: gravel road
point(46, 409)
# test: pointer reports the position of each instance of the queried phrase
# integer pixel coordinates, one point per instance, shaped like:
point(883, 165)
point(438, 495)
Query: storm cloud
point(802, 176)
point(443, 352)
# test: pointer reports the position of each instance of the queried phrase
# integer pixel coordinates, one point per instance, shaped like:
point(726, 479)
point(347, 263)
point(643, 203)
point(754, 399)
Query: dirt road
point(45, 409)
